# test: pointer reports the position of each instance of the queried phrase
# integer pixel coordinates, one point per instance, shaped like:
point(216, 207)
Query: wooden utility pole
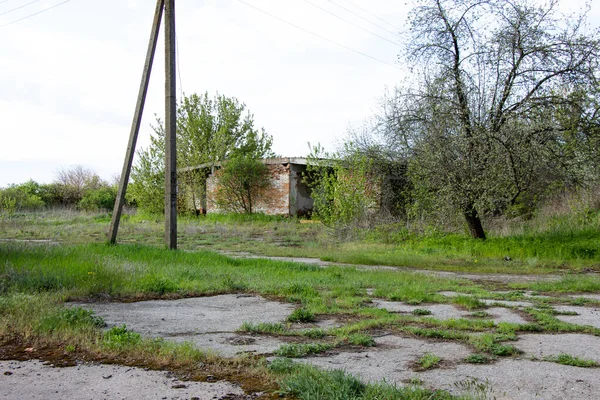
point(135, 126)
point(170, 128)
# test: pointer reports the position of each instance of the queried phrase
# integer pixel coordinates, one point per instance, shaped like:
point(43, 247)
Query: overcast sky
point(69, 76)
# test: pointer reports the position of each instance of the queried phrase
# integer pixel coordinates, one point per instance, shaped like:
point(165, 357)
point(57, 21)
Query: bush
point(102, 198)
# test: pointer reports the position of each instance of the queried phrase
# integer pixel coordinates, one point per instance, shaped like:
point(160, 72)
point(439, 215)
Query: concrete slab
point(208, 322)
point(512, 379)
point(577, 345)
point(34, 380)
point(447, 311)
point(587, 315)
point(392, 359)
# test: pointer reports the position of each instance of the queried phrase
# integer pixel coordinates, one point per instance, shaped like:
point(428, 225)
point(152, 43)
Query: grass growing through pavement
point(567, 359)
point(307, 382)
point(428, 361)
point(35, 279)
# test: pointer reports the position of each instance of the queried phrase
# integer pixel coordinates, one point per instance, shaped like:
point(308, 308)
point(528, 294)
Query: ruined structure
point(288, 195)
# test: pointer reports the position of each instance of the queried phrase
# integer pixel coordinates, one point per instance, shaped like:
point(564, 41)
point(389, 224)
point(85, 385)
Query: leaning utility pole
point(170, 128)
point(135, 125)
point(171, 105)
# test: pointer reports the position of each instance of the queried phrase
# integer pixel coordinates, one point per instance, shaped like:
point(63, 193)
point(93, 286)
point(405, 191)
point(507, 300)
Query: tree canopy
point(500, 103)
point(209, 131)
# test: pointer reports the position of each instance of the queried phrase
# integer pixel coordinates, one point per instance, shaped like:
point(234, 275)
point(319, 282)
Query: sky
point(306, 69)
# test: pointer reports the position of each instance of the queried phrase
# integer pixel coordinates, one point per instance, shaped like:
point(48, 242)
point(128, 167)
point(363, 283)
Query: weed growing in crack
point(263, 327)
point(361, 339)
point(298, 350)
point(429, 361)
point(420, 311)
point(468, 302)
point(477, 359)
point(301, 315)
point(567, 359)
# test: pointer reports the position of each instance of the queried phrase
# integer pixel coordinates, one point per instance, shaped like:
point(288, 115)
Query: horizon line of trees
point(75, 187)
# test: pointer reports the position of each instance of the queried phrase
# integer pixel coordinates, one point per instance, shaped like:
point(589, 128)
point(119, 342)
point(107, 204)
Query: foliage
point(26, 196)
point(567, 359)
point(301, 315)
point(102, 198)
point(308, 382)
point(429, 361)
point(243, 183)
point(209, 131)
point(298, 350)
point(487, 122)
point(75, 182)
point(343, 187)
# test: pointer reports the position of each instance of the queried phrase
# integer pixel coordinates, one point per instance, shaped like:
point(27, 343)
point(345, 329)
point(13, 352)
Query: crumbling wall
point(276, 201)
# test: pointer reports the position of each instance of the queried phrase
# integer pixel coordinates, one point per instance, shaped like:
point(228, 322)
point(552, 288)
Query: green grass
point(567, 359)
point(468, 302)
point(301, 315)
point(477, 359)
point(36, 278)
point(298, 350)
point(309, 383)
point(428, 361)
point(560, 244)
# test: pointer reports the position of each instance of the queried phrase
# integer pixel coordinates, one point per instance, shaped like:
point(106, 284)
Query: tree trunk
point(473, 222)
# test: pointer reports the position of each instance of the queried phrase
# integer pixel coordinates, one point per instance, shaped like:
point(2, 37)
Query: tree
point(479, 122)
point(243, 182)
point(75, 181)
point(209, 131)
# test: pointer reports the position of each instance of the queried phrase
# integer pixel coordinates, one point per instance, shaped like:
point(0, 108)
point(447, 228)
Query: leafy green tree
point(344, 187)
point(478, 122)
point(243, 182)
point(25, 196)
point(209, 131)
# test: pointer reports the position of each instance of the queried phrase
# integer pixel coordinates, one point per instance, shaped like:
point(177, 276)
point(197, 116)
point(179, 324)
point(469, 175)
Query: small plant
point(71, 317)
point(420, 311)
point(504, 350)
point(263, 327)
point(302, 349)
point(480, 314)
point(301, 315)
point(475, 388)
point(316, 333)
point(468, 302)
point(120, 338)
point(361, 339)
point(556, 312)
point(428, 361)
point(70, 348)
point(477, 359)
point(567, 359)
point(282, 366)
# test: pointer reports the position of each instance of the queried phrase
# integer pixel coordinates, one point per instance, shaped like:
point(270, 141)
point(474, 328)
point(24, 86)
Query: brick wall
point(275, 202)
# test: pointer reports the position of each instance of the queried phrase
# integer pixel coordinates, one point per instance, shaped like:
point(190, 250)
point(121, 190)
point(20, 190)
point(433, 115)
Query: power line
point(350, 22)
point(18, 8)
point(317, 35)
point(365, 19)
point(4, 1)
point(34, 14)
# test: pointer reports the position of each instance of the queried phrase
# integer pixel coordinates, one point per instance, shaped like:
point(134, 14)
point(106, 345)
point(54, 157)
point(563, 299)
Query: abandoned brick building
point(288, 194)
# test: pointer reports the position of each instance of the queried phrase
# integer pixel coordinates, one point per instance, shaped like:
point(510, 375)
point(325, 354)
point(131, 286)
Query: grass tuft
point(567, 359)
